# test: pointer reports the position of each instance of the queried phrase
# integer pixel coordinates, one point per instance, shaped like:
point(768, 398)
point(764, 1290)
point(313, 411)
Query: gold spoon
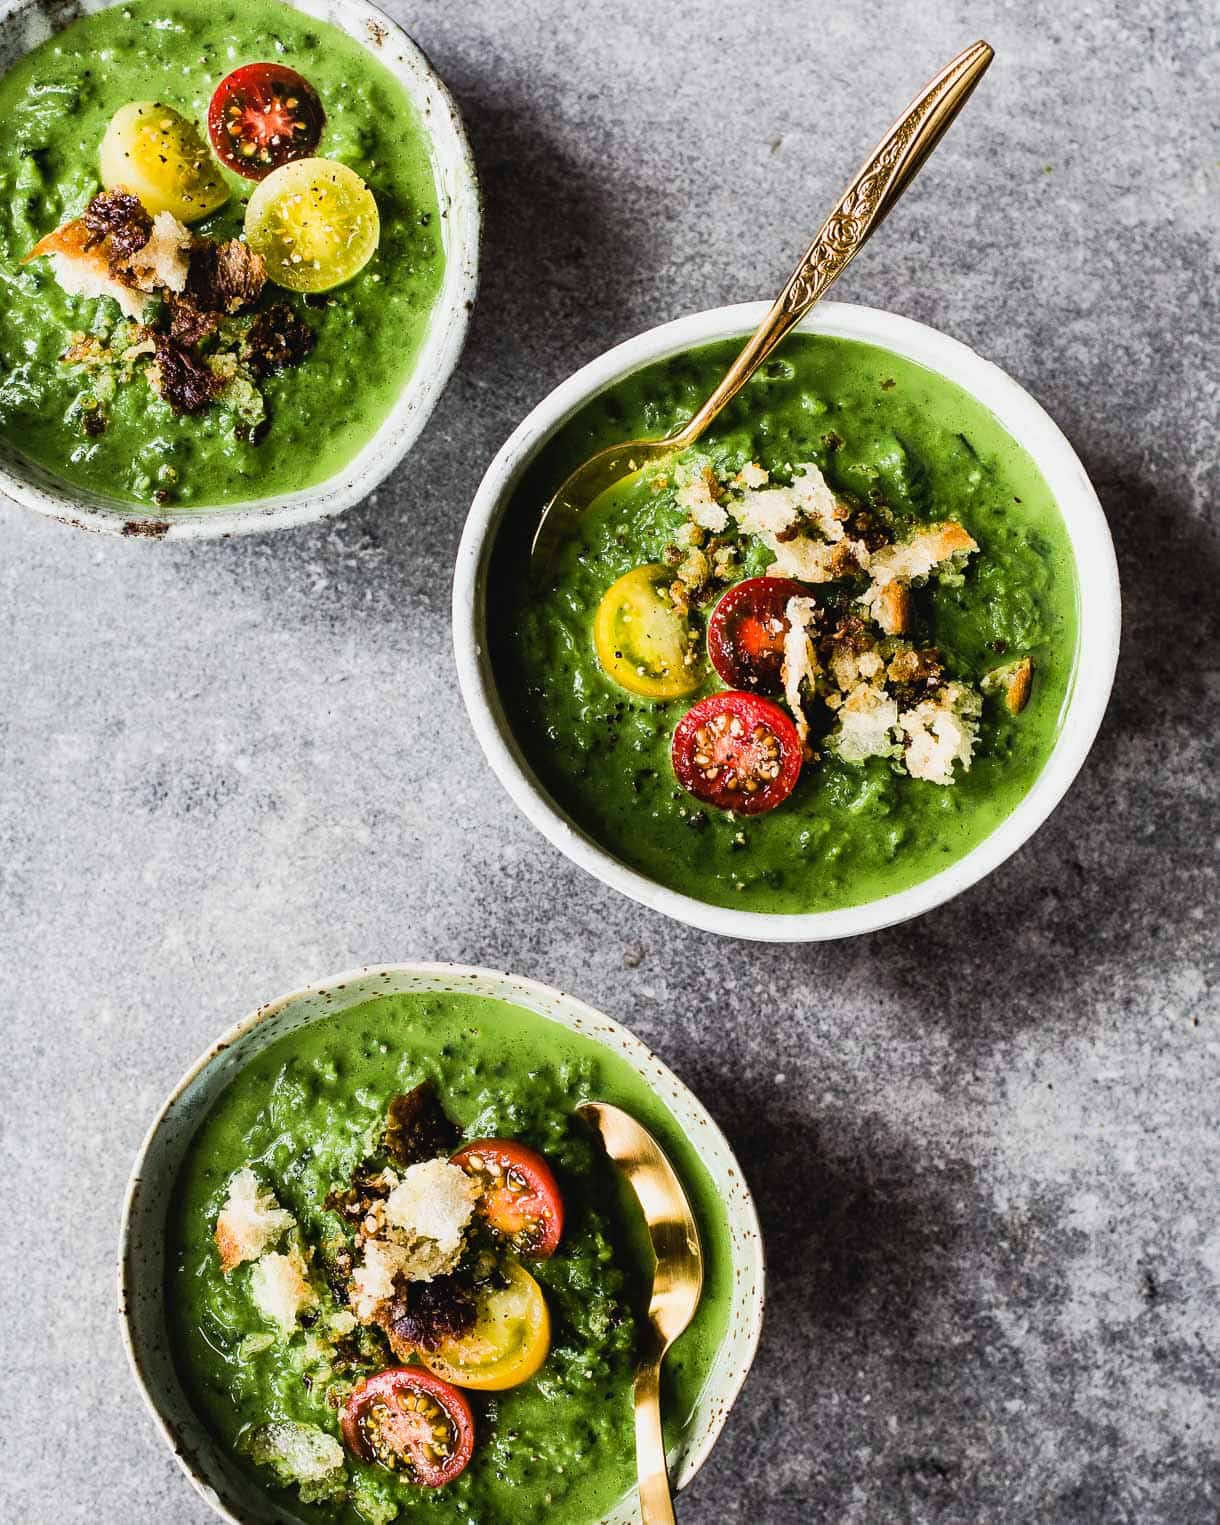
point(888, 171)
point(676, 1284)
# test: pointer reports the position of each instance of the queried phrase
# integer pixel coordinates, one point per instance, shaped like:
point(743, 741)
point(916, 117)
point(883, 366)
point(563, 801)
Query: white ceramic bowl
point(26, 23)
point(1025, 420)
point(230, 1492)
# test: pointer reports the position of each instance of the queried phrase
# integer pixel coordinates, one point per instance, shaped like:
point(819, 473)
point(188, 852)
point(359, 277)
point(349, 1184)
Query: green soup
point(55, 105)
point(560, 1447)
point(888, 433)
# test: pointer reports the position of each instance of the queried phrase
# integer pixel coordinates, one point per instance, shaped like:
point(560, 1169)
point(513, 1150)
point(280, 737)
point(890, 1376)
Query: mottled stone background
point(984, 1145)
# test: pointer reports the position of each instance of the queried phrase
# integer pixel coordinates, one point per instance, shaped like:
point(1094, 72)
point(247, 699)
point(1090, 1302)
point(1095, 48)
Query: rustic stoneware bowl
point(26, 23)
point(231, 1492)
point(1097, 611)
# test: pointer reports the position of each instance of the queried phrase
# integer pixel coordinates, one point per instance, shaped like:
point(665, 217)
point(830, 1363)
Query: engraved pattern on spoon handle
point(876, 189)
point(846, 230)
point(870, 196)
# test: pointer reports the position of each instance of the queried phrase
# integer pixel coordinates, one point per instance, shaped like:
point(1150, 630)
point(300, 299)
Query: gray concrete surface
point(984, 1145)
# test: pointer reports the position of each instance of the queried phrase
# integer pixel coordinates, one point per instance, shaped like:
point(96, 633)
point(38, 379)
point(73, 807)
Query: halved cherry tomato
point(263, 115)
point(520, 1194)
point(745, 634)
point(641, 639)
point(412, 1421)
point(159, 155)
point(509, 1342)
point(738, 752)
point(315, 222)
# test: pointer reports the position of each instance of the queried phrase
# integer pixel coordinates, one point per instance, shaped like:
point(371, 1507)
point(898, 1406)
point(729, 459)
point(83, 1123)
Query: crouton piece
point(297, 1453)
point(250, 1221)
point(382, 1263)
point(699, 497)
point(117, 219)
point(894, 608)
point(421, 1315)
point(908, 666)
point(1013, 682)
point(180, 379)
point(767, 513)
point(279, 1288)
point(920, 554)
point(226, 277)
point(867, 719)
point(818, 502)
point(417, 1234)
point(800, 661)
point(417, 1127)
point(162, 262)
point(940, 732)
point(278, 339)
point(752, 475)
point(189, 326)
point(816, 561)
point(434, 1200)
point(853, 655)
point(82, 268)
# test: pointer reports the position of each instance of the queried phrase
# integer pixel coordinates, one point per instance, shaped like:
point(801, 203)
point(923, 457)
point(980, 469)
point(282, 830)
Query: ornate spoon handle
point(871, 195)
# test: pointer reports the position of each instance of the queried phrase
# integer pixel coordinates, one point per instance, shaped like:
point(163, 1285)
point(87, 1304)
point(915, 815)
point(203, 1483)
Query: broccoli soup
point(403, 1279)
point(814, 660)
point(220, 250)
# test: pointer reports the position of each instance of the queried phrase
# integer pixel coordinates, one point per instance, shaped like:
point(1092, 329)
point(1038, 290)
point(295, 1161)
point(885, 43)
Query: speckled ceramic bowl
point(26, 23)
point(230, 1492)
point(1098, 613)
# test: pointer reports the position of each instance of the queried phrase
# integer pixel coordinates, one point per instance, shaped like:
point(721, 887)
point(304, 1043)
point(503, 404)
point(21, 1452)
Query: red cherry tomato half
point(745, 635)
point(520, 1194)
point(738, 752)
point(263, 115)
point(409, 1421)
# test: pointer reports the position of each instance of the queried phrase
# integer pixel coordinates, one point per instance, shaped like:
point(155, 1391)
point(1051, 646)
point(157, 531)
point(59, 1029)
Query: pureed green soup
point(558, 1448)
point(55, 106)
point(901, 448)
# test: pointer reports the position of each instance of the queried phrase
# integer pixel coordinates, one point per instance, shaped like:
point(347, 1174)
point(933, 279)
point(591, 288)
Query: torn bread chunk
point(250, 1222)
point(867, 721)
point(1013, 682)
point(936, 548)
point(800, 660)
point(435, 1201)
point(386, 1262)
point(82, 268)
point(854, 657)
point(893, 608)
point(296, 1453)
point(163, 263)
point(768, 512)
point(752, 475)
point(817, 561)
point(940, 732)
point(909, 667)
point(818, 502)
point(280, 1289)
point(417, 1233)
point(700, 498)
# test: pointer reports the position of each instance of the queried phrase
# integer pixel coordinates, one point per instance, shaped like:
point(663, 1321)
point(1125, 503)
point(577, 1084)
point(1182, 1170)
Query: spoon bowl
point(677, 1283)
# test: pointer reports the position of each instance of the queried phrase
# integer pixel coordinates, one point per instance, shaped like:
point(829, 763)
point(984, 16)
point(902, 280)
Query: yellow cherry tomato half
point(509, 1342)
point(642, 641)
point(159, 155)
point(315, 223)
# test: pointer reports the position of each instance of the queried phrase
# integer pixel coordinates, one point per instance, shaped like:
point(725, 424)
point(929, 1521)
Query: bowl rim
point(1098, 613)
point(748, 1294)
point(460, 197)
